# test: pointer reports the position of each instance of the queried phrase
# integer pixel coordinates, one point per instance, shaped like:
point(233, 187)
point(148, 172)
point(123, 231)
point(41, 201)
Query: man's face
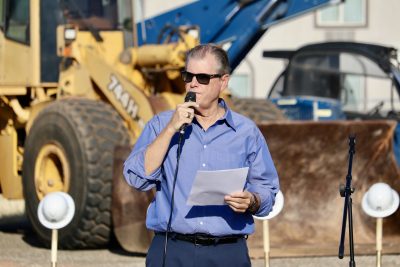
point(206, 94)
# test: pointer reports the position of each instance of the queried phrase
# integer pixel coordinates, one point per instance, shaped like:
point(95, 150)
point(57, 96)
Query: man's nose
point(194, 82)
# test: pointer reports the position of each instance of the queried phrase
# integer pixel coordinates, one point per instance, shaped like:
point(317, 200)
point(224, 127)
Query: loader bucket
point(312, 160)
point(129, 205)
point(129, 208)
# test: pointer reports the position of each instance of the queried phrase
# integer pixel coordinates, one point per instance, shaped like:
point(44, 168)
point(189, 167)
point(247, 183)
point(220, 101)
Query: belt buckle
point(198, 241)
point(205, 241)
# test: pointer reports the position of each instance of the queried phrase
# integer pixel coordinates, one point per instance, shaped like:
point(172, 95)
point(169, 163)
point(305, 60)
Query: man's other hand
point(242, 201)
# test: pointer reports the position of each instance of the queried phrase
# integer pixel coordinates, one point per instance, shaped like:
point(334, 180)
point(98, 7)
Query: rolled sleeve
point(134, 170)
point(263, 178)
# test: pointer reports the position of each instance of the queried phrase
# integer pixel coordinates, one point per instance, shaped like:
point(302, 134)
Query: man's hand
point(184, 113)
point(243, 201)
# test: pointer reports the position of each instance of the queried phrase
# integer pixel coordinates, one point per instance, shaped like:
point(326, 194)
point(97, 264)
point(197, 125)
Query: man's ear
point(225, 82)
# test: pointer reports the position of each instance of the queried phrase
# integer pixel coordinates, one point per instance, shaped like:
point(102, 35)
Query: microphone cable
point(190, 97)
point(179, 151)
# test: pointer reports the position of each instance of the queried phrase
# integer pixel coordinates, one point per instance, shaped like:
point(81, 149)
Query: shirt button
point(201, 223)
point(204, 164)
point(205, 146)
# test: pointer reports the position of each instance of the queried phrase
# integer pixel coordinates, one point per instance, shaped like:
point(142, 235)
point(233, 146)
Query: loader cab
point(15, 20)
point(340, 80)
point(344, 80)
point(24, 36)
point(28, 34)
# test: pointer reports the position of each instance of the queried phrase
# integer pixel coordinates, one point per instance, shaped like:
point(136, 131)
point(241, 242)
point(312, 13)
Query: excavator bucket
point(312, 161)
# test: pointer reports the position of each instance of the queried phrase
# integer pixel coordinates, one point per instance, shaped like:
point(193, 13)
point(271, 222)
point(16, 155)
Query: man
point(216, 138)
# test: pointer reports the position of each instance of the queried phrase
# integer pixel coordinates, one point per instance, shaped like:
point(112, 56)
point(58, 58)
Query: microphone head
point(190, 97)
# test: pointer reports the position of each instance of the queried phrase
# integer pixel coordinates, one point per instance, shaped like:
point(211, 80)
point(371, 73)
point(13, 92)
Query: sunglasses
point(202, 78)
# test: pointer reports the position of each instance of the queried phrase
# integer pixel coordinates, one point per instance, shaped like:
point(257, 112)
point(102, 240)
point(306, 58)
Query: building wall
point(380, 28)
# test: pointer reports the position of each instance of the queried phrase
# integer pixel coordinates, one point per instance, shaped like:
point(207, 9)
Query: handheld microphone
point(190, 97)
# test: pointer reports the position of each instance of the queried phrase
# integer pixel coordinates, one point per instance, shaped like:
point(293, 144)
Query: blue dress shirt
point(234, 141)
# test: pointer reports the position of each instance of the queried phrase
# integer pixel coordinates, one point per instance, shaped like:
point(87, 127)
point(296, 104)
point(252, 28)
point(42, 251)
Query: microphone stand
point(346, 191)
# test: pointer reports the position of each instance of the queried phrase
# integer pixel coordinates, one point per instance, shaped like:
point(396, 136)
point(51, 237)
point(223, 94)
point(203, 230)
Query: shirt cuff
point(135, 173)
point(267, 200)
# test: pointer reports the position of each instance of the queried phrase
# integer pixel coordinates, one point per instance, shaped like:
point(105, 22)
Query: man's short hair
point(220, 55)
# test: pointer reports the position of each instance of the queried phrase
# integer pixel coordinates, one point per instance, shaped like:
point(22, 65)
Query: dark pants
point(186, 254)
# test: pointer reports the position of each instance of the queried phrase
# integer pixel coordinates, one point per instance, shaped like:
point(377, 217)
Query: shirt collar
point(227, 117)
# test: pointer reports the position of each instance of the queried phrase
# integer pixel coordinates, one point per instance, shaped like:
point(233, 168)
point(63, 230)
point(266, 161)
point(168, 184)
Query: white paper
point(210, 187)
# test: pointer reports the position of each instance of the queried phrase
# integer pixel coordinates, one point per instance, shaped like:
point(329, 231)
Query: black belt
point(204, 239)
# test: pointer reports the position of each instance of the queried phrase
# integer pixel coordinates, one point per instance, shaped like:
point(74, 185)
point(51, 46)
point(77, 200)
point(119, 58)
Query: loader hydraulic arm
point(236, 25)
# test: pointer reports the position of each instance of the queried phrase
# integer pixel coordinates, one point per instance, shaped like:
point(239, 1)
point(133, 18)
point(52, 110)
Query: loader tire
point(259, 110)
point(70, 148)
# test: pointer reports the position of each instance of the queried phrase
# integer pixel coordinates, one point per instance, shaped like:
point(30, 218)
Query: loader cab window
point(1, 14)
point(364, 86)
point(278, 86)
point(314, 75)
point(17, 21)
point(357, 82)
point(86, 14)
point(49, 20)
point(369, 92)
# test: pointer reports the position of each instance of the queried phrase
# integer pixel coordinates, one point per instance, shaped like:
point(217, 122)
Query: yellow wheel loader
point(76, 83)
